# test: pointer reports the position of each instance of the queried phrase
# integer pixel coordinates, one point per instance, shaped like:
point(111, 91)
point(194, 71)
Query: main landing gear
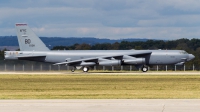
point(73, 68)
point(144, 68)
point(85, 69)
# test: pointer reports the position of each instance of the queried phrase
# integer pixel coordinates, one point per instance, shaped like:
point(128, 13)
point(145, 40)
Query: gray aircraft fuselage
point(157, 57)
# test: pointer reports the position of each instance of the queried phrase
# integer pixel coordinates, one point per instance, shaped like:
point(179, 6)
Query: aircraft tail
point(28, 40)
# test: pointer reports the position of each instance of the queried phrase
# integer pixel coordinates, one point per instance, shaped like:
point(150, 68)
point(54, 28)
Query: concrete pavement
point(101, 105)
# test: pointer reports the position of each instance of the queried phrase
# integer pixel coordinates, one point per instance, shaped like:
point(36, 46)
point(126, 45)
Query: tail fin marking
point(28, 40)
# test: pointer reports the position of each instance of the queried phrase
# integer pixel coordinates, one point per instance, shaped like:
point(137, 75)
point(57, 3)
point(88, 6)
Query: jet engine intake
point(134, 61)
point(110, 63)
point(87, 63)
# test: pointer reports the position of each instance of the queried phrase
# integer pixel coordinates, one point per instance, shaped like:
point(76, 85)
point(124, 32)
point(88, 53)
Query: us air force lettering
point(33, 49)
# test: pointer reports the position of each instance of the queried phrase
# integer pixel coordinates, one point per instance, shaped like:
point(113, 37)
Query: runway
point(104, 73)
point(101, 105)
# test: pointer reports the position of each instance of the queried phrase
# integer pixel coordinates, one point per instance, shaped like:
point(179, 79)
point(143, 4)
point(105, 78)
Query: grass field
point(99, 86)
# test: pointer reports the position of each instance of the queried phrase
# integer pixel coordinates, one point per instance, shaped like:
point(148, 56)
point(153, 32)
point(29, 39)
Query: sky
point(112, 19)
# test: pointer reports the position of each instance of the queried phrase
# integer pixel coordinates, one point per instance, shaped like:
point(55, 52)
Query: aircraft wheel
point(85, 69)
point(144, 69)
point(73, 69)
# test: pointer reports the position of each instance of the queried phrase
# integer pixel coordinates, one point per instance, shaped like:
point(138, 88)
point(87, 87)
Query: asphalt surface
point(106, 73)
point(101, 105)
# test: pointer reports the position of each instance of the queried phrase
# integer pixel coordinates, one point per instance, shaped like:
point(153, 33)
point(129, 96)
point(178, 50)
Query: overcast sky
point(113, 19)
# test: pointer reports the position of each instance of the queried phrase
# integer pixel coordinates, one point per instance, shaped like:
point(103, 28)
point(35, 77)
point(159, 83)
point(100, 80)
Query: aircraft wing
point(96, 59)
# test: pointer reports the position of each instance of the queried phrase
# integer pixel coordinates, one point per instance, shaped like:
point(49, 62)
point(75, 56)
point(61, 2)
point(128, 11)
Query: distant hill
point(60, 41)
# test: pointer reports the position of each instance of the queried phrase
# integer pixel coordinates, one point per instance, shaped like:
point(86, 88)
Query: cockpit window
point(183, 52)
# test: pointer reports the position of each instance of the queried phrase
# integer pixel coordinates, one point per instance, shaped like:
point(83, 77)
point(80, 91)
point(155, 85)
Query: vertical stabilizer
point(28, 40)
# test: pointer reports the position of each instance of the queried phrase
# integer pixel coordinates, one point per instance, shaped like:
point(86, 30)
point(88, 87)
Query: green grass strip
point(99, 86)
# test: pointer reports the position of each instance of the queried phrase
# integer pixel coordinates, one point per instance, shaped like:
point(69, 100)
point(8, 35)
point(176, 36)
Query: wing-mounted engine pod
point(134, 61)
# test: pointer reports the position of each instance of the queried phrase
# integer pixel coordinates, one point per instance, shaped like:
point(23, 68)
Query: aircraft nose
point(190, 57)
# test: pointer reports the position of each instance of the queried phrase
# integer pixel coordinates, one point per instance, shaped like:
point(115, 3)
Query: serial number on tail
point(32, 45)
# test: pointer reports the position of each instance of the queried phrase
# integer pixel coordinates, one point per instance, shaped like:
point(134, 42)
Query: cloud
point(104, 19)
point(120, 33)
